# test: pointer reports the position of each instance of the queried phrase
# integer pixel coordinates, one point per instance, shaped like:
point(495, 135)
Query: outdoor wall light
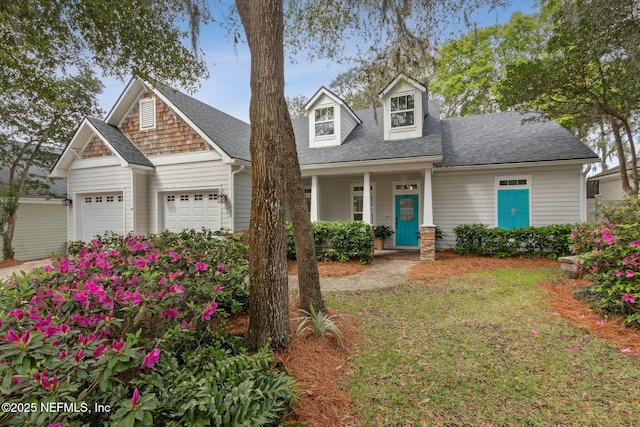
point(66, 201)
point(222, 198)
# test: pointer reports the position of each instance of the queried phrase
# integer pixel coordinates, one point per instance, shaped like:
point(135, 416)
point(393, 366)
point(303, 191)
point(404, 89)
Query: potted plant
point(381, 233)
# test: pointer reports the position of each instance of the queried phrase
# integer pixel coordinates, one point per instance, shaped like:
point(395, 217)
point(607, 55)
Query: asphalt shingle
point(129, 152)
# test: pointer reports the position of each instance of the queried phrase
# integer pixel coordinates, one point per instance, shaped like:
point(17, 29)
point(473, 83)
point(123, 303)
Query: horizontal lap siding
point(142, 203)
point(610, 190)
point(99, 180)
point(242, 202)
point(186, 177)
point(334, 199)
point(461, 197)
point(41, 229)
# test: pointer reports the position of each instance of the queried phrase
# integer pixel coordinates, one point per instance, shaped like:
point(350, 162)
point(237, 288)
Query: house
point(41, 224)
point(604, 188)
point(162, 160)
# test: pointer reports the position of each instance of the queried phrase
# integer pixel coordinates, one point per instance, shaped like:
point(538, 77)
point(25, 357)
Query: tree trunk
point(7, 237)
point(308, 276)
point(624, 177)
point(633, 157)
point(263, 22)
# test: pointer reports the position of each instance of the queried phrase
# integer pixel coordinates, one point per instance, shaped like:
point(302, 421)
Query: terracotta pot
point(379, 244)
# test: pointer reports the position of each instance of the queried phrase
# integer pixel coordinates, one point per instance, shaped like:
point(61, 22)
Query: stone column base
point(427, 243)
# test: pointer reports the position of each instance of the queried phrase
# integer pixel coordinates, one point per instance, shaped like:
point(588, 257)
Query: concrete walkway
point(27, 266)
point(389, 268)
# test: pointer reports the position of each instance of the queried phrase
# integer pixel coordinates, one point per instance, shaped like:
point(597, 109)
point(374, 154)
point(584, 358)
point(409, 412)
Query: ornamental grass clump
point(609, 254)
point(119, 322)
point(319, 324)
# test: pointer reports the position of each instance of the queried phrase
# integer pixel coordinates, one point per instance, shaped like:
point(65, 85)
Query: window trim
point(354, 192)
point(406, 110)
point(332, 120)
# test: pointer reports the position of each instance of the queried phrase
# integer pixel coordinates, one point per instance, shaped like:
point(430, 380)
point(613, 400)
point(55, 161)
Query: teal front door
point(513, 209)
point(407, 220)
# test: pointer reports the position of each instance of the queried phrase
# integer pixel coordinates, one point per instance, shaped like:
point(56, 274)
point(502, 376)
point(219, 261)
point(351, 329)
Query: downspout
point(232, 190)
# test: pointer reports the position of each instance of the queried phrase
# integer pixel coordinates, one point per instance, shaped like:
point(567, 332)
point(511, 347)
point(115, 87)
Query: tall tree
point(588, 77)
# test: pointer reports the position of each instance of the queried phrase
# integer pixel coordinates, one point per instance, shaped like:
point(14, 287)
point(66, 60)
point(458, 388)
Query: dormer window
point(402, 111)
point(324, 121)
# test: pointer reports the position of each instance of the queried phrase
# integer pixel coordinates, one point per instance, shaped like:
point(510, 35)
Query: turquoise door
point(407, 220)
point(513, 209)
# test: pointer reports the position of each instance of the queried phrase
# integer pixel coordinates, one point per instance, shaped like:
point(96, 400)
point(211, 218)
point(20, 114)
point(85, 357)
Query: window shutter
point(147, 113)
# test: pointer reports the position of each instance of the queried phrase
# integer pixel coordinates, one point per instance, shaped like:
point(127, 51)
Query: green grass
point(461, 353)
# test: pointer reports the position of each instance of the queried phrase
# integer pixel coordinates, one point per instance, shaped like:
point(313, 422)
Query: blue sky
point(227, 88)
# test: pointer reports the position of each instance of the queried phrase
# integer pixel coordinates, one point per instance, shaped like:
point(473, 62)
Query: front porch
point(399, 200)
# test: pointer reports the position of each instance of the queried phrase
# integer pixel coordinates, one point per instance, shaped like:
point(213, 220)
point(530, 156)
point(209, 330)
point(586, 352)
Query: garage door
point(191, 210)
point(101, 213)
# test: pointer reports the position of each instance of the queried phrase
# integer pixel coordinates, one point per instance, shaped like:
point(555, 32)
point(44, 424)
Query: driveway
point(26, 266)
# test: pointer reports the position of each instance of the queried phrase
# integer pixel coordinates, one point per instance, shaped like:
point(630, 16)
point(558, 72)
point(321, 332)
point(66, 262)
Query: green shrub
point(124, 322)
point(338, 241)
point(609, 254)
point(479, 239)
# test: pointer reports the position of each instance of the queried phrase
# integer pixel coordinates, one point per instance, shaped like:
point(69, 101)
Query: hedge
point(479, 239)
point(338, 241)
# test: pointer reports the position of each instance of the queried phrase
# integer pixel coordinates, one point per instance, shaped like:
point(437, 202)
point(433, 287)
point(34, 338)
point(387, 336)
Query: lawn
point(483, 349)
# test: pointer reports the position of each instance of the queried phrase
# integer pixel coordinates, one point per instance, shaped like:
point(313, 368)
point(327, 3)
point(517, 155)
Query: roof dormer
point(330, 119)
point(405, 107)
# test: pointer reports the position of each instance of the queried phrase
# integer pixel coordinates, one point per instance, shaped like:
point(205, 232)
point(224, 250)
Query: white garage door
point(100, 213)
point(191, 210)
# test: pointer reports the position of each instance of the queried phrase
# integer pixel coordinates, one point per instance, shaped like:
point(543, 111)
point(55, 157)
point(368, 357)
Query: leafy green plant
point(338, 241)
point(609, 254)
point(318, 324)
point(479, 239)
point(382, 231)
point(124, 318)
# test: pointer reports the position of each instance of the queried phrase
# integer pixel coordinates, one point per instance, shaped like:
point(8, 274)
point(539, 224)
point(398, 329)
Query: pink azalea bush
point(113, 322)
point(609, 254)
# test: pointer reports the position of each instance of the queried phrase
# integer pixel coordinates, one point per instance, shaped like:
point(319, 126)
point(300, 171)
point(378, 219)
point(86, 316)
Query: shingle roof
point(611, 171)
point(227, 132)
point(56, 187)
point(504, 138)
point(366, 141)
point(129, 152)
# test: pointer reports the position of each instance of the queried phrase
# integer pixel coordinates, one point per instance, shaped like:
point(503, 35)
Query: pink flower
point(618, 273)
point(62, 355)
point(98, 351)
point(174, 256)
point(629, 298)
point(117, 345)
point(218, 288)
point(17, 313)
point(176, 289)
point(221, 267)
point(534, 331)
point(635, 243)
point(629, 273)
point(575, 348)
point(201, 266)
point(627, 351)
point(173, 275)
point(170, 314)
point(600, 322)
point(208, 312)
point(79, 356)
point(135, 399)
point(17, 380)
point(151, 358)
point(47, 268)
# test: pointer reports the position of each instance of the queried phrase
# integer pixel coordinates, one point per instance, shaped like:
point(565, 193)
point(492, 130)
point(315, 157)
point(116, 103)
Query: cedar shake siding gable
point(96, 148)
point(120, 143)
point(170, 135)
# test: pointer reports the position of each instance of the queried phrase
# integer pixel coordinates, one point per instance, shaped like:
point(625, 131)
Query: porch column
point(427, 208)
point(427, 229)
point(314, 198)
point(366, 199)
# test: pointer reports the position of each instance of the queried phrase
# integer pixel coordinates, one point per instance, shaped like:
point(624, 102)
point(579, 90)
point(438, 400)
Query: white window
point(147, 113)
point(324, 121)
point(357, 202)
point(402, 111)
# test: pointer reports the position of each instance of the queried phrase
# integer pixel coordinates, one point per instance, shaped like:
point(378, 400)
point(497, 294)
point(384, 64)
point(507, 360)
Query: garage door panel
point(191, 210)
point(100, 213)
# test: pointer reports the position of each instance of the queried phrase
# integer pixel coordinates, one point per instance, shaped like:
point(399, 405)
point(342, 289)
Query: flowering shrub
point(609, 253)
point(122, 320)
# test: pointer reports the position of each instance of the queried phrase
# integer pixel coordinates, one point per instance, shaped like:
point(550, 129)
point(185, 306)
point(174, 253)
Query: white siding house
point(164, 160)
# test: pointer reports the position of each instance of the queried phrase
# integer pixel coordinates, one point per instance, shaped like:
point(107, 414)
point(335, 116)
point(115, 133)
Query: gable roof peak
point(335, 98)
point(401, 78)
